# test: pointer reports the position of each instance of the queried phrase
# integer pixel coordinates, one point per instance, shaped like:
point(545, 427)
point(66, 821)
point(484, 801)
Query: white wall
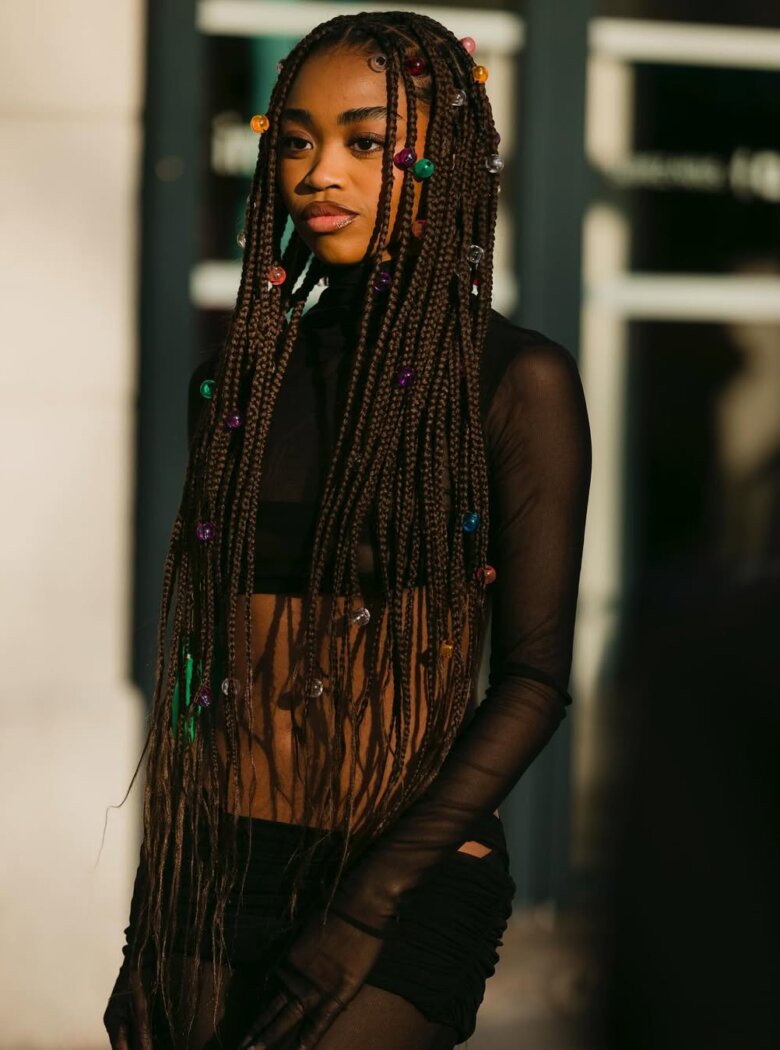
point(70, 150)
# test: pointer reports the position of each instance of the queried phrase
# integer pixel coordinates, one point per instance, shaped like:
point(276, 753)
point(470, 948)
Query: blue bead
point(470, 521)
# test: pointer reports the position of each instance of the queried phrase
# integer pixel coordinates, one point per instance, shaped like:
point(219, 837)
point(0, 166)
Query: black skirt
point(438, 956)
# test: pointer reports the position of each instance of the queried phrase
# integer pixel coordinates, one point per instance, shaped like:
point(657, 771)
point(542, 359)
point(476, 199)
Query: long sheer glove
point(320, 974)
point(538, 441)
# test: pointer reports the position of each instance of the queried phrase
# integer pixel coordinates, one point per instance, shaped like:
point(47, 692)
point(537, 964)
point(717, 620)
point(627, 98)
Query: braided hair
point(388, 459)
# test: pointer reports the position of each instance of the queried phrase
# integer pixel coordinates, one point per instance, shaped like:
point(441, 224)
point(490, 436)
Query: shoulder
point(523, 366)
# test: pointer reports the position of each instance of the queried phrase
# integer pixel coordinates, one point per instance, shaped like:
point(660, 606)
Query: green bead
point(207, 388)
point(423, 169)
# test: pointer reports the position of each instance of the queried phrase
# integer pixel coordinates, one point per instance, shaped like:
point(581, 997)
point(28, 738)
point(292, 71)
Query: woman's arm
point(539, 452)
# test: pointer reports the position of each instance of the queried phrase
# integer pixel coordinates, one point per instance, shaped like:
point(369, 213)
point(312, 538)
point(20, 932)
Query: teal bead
point(207, 388)
point(423, 169)
point(470, 521)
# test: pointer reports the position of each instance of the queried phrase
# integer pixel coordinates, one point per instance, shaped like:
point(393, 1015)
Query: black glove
point(319, 975)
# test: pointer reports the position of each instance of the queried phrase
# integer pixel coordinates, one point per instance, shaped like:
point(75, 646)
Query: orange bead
point(277, 274)
point(260, 123)
point(480, 74)
point(447, 649)
point(418, 227)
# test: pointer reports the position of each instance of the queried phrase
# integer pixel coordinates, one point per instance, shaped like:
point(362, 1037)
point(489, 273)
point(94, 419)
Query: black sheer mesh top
point(537, 441)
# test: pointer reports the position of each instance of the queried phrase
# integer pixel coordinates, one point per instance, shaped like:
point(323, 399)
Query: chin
point(336, 249)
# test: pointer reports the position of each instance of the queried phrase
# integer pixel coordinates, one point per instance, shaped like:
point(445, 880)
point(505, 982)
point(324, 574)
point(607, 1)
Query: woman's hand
point(126, 1017)
point(320, 973)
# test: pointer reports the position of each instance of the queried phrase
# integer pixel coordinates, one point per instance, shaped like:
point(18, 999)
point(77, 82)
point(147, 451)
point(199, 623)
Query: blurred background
point(639, 227)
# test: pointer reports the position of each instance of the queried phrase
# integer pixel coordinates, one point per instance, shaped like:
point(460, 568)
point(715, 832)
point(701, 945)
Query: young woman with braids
point(369, 484)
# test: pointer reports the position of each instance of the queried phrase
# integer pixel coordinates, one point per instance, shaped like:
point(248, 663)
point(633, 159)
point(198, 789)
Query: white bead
point(474, 254)
point(316, 687)
point(494, 163)
point(361, 616)
point(230, 685)
point(460, 98)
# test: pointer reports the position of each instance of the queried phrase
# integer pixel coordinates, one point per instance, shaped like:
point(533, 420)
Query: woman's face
point(331, 138)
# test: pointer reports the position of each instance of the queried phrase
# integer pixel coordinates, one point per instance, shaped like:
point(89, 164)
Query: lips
point(322, 217)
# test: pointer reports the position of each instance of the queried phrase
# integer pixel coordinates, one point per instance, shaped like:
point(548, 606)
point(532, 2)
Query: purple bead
point(204, 696)
point(405, 158)
point(205, 531)
point(496, 139)
point(234, 421)
point(382, 281)
point(406, 376)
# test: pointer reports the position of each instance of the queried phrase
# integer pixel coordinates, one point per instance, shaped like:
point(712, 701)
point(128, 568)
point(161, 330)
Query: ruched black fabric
point(438, 956)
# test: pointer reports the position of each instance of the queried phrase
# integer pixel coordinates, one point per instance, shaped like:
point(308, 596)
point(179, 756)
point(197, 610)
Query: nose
point(325, 170)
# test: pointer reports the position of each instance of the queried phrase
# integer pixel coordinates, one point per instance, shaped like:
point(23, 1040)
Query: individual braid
point(396, 452)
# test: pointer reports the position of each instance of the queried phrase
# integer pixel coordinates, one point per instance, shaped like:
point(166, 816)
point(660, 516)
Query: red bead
point(486, 573)
point(416, 65)
point(277, 274)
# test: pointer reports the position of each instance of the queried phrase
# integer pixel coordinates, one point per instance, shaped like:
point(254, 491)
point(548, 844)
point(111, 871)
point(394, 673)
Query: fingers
point(270, 1028)
point(313, 1030)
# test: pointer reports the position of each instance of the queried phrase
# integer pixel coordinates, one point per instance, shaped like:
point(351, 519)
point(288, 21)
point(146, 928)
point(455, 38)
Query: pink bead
point(469, 43)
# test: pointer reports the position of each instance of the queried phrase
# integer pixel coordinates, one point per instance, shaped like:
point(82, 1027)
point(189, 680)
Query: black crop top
point(537, 441)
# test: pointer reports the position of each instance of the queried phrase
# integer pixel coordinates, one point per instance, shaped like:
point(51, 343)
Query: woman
point(323, 863)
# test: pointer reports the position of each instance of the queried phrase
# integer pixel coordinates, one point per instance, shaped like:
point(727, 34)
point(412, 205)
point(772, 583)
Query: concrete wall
point(70, 151)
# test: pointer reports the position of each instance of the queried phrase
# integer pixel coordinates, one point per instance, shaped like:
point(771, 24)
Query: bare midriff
point(276, 651)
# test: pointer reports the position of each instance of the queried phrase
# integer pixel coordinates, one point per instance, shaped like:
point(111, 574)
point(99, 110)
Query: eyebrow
point(349, 116)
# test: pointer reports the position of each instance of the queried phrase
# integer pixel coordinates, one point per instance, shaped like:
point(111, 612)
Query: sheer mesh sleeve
point(539, 457)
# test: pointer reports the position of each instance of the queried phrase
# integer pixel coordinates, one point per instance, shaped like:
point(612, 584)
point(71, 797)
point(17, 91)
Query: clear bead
point(230, 685)
point(361, 616)
point(474, 254)
point(494, 163)
point(459, 98)
point(316, 687)
point(378, 62)
point(241, 238)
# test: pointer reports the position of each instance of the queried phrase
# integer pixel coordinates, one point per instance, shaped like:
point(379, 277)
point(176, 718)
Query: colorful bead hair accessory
point(378, 62)
point(475, 254)
point(494, 163)
point(405, 158)
point(480, 74)
point(423, 169)
point(447, 648)
point(234, 420)
point(406, 376)
point(470, 522)
point(361, 616)
point(416, 65)
point(382, 281)
point(459, 99)
point(485, 573)
point(277, 274)
point(469, 43)
point(205, 531)
point(204, 696)
point(207, 388)
point(418, 227)
point(260, 123)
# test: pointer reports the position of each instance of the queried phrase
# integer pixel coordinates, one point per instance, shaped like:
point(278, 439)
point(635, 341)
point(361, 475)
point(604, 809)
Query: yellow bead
point(260, 123)
point(447, 649)
point(480, 74)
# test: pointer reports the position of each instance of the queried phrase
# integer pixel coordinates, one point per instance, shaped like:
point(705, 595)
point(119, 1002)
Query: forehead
point(328, 83)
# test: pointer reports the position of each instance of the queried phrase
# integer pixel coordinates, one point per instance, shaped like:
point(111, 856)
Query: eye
point(293, 142)
point(368, 141)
